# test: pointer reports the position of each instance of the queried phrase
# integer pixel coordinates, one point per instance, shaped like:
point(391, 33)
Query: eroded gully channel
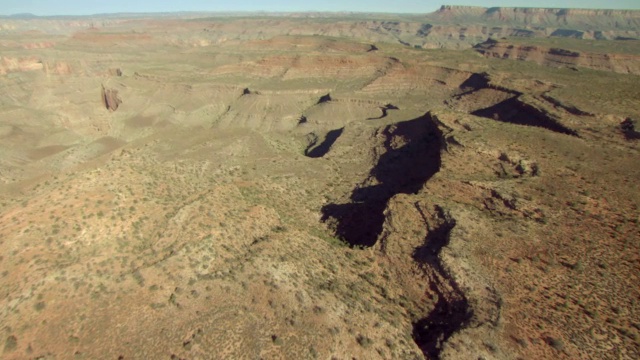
point(404, 170)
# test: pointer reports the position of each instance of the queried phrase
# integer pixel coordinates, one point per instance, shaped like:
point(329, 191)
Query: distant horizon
point(44, 8)
point(230, 11)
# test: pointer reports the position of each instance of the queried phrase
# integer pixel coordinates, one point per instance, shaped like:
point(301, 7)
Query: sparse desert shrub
point(555, 343)
point(578, 266)
point(522, 342)
point(390, 344)
point(276, 340)
point(10, 344)
point(628, 333)
point(491, 347)
point(139, 278)
point(364, 341)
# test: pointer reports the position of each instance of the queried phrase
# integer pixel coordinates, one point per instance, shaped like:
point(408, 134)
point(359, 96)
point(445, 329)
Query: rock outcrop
point(58, 68)
point(11, 64)
point(110, 99)
point(628, 127)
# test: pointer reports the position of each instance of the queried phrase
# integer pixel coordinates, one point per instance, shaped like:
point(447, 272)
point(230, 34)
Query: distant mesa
point(509, 13)
point(23, 16)
point(110, 99)
point(576, 23)
point(324, 99)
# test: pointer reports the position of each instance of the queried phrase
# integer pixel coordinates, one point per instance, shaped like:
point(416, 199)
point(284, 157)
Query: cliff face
point(565, 13)
point(620, 63)
point(455, 10)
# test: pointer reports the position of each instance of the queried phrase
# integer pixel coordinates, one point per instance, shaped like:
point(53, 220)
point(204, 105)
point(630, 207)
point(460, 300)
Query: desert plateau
point(462, 184)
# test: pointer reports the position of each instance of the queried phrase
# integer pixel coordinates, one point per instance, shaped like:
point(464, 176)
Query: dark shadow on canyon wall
point(319, 150)
point(410, 157)
point(451, 311)
point(385, 111)
point(516, 112)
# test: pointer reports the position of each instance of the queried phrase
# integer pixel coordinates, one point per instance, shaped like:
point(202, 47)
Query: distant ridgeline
point(586, 19)
point(455, 27)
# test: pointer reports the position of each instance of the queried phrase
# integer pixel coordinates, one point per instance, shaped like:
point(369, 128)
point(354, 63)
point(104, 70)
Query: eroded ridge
point(481, 97)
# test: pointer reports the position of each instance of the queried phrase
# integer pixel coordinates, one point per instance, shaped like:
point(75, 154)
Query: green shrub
point(10, 344)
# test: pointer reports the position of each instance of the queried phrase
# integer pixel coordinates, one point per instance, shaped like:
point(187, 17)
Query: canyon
point(454, 185)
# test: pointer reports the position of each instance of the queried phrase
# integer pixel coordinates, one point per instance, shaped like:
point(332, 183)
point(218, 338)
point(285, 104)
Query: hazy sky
point(85, 7)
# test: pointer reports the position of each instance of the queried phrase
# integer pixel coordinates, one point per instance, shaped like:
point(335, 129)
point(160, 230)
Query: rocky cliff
point(110, 99)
